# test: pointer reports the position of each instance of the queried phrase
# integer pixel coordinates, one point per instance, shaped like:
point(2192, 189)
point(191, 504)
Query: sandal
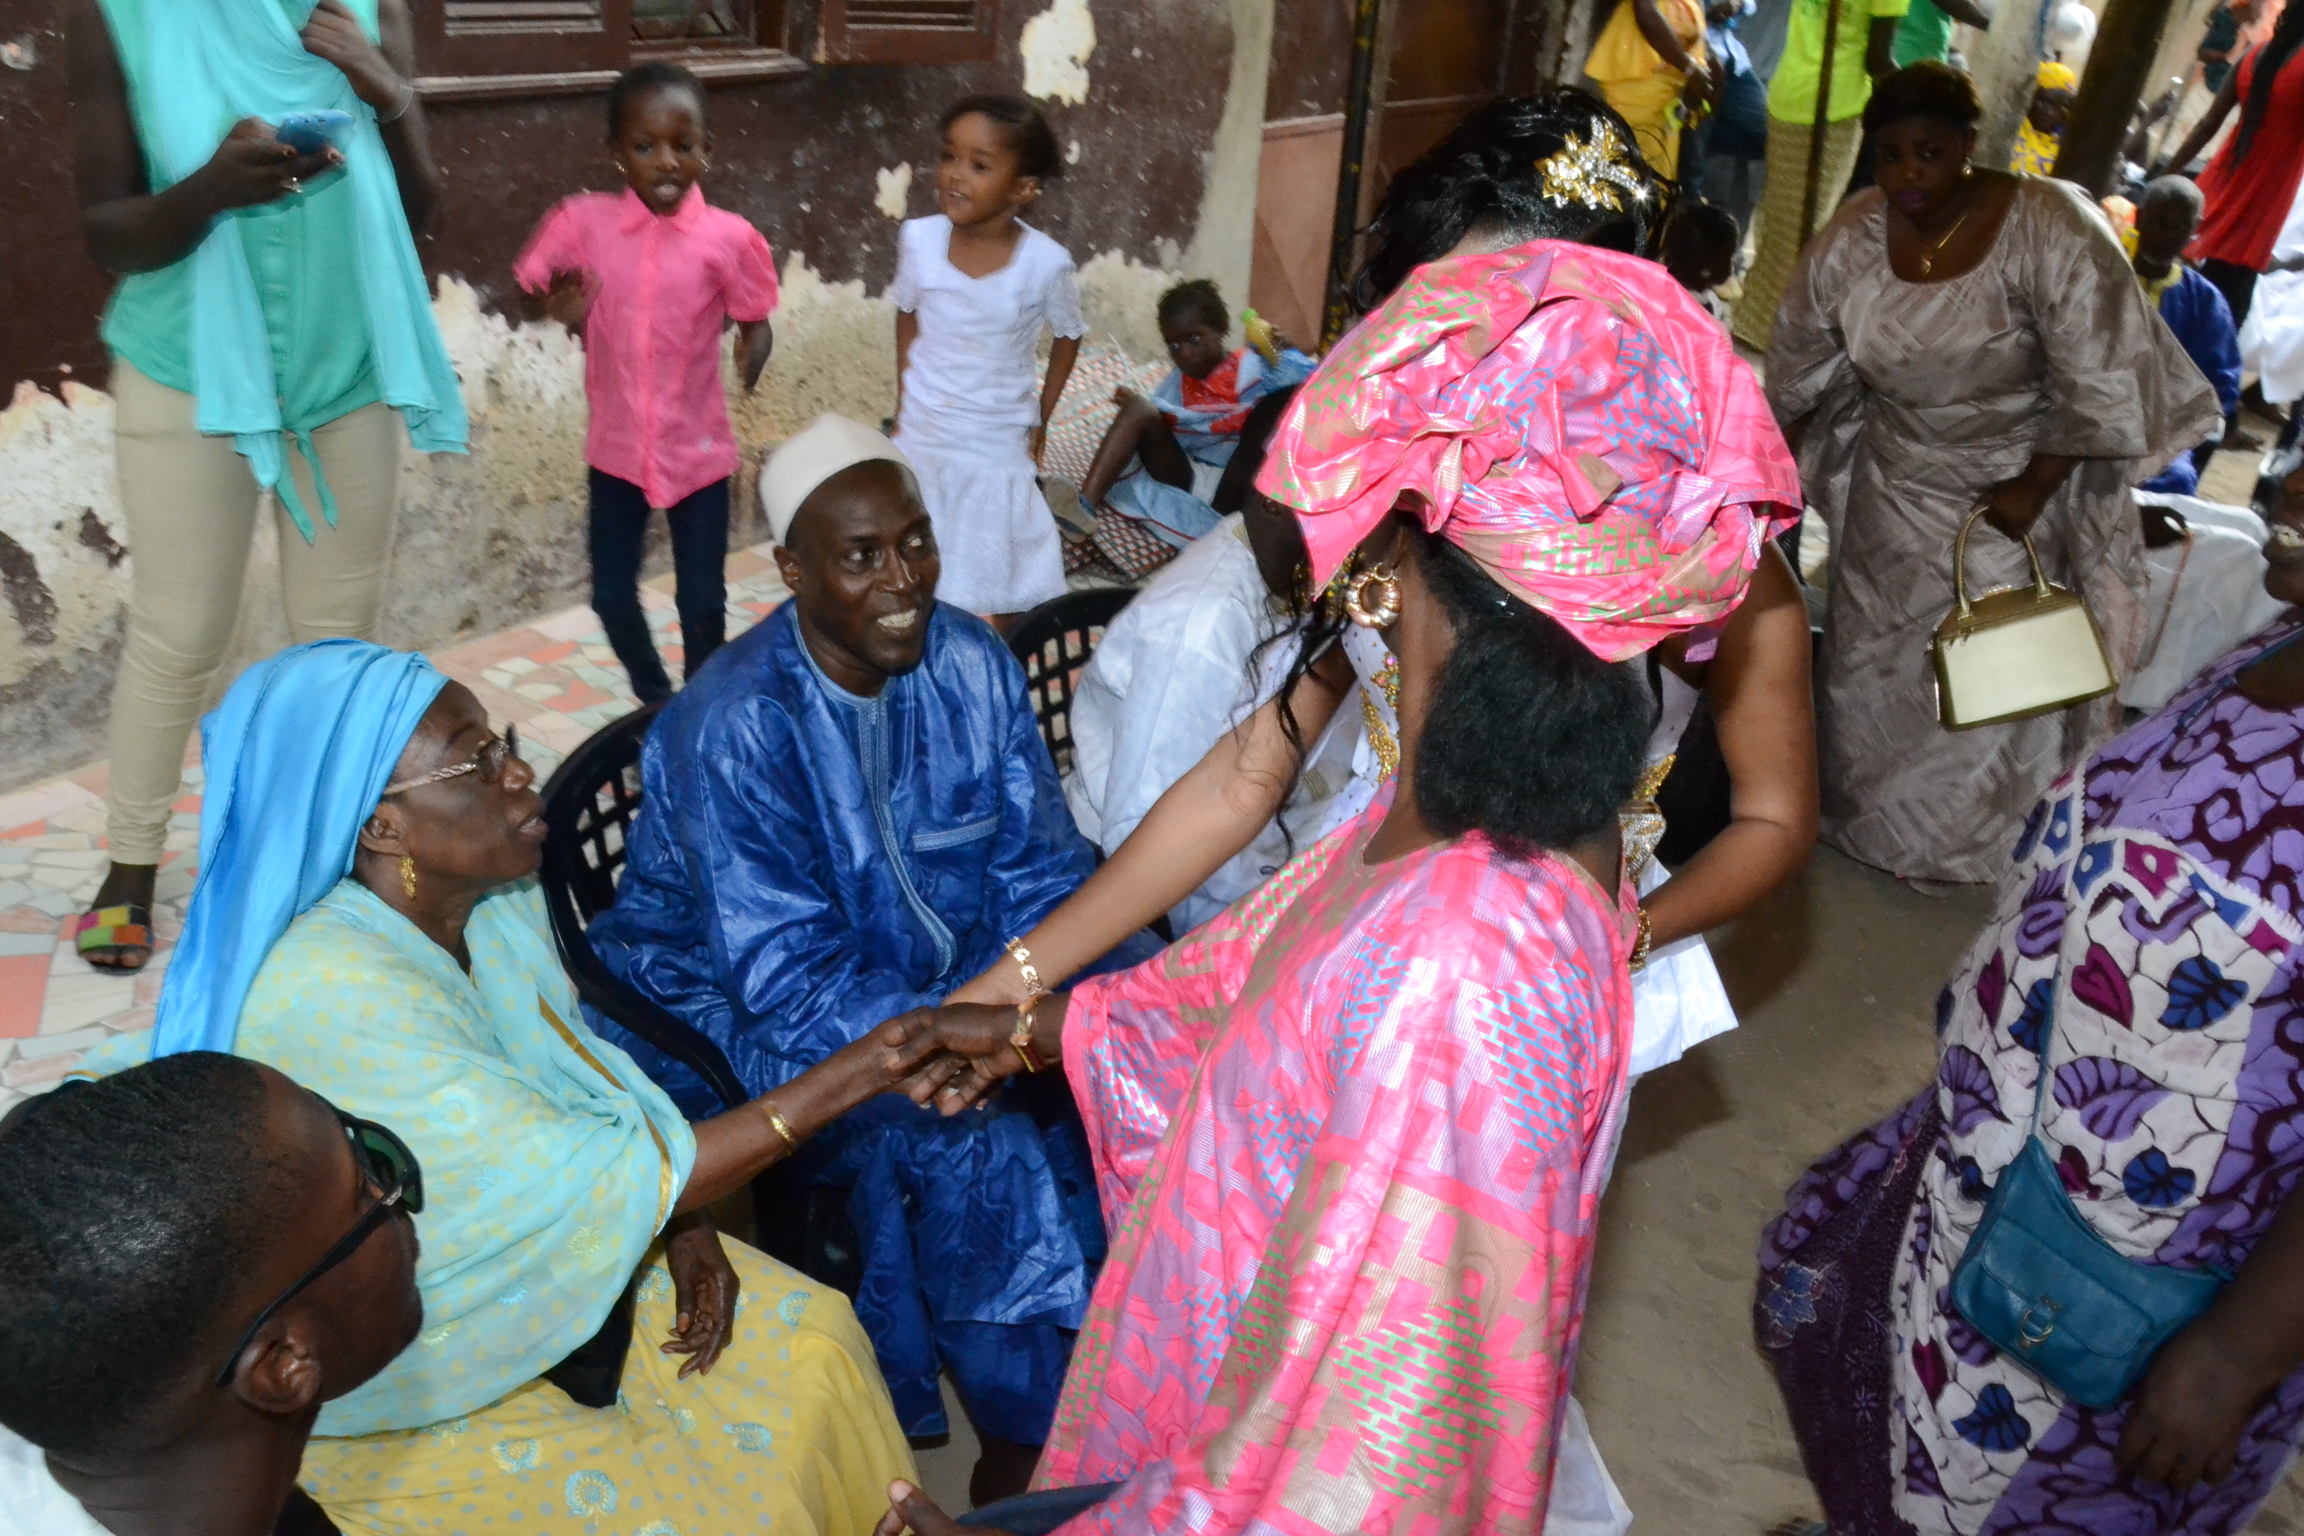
point(112, 932)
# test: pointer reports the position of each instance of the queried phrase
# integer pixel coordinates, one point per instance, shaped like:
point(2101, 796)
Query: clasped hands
point(954, 1057)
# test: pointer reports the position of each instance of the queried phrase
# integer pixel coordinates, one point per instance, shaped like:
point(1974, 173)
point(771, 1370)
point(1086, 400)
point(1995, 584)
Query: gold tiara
point(1595, 172)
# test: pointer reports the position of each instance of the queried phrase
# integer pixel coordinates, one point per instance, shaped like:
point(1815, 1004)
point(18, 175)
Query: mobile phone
point(309, 133)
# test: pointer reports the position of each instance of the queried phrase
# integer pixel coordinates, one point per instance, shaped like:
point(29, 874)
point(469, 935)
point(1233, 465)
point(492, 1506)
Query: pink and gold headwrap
point(1571, 417)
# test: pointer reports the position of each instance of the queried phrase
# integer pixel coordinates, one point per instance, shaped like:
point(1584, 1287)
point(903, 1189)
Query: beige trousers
point(1780, 234)
point(191, 505)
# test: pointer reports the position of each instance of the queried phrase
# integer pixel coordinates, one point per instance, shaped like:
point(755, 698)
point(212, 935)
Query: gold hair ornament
point(1594, 172)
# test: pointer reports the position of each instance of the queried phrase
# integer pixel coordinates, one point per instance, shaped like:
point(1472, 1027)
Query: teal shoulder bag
point(2041, 1284)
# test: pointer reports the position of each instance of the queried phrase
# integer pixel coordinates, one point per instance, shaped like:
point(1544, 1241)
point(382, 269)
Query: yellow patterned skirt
point(791, 1432)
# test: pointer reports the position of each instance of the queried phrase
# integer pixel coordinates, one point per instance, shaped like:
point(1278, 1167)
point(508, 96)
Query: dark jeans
point(2236, 282)
point(619, 532)
point(1036, 1514)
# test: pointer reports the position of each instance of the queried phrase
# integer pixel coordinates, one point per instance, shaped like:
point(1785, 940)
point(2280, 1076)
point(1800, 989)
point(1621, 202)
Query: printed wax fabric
point(1921, 397)
point(2148, 922)
point(790, 1432)
point(1351, 1135)
point(808, 863)
point(1572, 417)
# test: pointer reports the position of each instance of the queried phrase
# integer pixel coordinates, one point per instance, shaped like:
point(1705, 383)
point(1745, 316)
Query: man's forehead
point(863, 503)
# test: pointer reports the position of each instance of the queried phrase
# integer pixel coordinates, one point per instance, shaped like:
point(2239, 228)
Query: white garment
point(32, 1502)
point(2199, 603)
point(1678, 1001)
point(971, 400)
point(1168, 680)
point(2272, 342)
point(1585, 1499)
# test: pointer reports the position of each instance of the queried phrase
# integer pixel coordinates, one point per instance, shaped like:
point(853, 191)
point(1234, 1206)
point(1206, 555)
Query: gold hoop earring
point(408, 877)
point(1387, 606)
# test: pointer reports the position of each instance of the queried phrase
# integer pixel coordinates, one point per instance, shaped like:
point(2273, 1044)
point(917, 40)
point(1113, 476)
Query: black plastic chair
point(589, 804)
point(1054, 641)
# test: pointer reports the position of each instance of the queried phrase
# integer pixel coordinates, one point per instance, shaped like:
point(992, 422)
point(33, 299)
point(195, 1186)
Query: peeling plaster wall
point(1159, 108)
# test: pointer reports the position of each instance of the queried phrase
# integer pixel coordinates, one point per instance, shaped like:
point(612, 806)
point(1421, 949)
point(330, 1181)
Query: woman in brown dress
point(1958, 336)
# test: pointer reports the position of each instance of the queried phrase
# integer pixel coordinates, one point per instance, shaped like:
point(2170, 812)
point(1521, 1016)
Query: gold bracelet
point(777, 1124)
point(1023, 958)
point(1022, 1038)
point(1640, 945)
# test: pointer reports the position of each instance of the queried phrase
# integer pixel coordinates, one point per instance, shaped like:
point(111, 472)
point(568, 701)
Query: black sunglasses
point(389, 1168)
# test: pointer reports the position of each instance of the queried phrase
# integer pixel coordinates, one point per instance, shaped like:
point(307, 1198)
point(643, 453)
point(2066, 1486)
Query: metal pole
point(2119, 67)
point(1359, 96)
point(1808, 194)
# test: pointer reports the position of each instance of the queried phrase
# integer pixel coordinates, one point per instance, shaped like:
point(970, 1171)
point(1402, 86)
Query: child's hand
point(567, 302)
point(1039, 443)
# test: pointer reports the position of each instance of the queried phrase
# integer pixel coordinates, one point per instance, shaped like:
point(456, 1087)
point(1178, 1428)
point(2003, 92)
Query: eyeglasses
point(494, 754)
point(386, 1166)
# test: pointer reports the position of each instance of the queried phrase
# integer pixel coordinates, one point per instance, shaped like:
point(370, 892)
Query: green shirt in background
point(1792, 94)
point(1924, 33)
point(301, 252)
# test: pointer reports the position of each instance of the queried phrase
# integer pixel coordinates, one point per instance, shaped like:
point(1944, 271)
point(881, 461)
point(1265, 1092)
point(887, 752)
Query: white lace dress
point(971, 400)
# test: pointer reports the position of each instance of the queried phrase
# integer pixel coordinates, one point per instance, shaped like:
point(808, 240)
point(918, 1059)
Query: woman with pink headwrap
point(1350, 1136)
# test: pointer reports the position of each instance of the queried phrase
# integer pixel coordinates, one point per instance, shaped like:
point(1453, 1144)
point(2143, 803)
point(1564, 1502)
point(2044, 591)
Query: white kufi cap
point(813, 455)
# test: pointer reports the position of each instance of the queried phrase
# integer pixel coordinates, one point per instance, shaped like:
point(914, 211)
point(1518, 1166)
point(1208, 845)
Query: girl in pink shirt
point(650, 277)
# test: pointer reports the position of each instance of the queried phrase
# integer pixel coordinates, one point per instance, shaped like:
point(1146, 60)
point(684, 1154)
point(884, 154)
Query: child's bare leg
point(1138, 432)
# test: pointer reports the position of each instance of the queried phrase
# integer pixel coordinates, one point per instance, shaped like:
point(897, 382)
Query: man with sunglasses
point(195, 1254)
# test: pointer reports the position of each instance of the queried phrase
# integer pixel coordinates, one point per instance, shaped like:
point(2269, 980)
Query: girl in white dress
point(974, 286)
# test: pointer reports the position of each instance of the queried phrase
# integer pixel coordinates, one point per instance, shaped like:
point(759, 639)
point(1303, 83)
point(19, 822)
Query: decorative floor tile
point(557, 679)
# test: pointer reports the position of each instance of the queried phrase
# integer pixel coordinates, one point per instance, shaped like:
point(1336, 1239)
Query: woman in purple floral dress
point(2152, 925)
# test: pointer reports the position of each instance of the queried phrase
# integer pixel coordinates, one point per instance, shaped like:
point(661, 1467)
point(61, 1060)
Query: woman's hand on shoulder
point(334, 34)
point(704, 1290)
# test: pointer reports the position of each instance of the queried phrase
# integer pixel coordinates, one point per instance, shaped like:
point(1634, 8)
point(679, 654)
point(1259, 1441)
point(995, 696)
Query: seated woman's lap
point(766, 1439)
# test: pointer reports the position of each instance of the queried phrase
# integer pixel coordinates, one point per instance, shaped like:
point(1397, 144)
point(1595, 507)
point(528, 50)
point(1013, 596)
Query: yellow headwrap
point(2058, 77)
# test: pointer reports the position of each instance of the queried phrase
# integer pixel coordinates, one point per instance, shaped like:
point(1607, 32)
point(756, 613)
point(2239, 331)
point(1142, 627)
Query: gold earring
point(408, 877)
point(1387, 606)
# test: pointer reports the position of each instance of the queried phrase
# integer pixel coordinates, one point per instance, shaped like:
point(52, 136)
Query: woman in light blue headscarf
point(367, 921)
point(270, 321)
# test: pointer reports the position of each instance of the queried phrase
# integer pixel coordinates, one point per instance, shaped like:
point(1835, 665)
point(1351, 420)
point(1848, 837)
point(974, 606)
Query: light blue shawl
point(550, 1160)
point(215, 62)
point(295, 757)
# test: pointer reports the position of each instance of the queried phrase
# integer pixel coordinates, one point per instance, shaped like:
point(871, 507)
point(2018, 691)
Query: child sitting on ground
point(1162, 457)
point(649, 277)
point(1700, 245)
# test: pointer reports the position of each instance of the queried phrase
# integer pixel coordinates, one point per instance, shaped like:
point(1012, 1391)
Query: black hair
point(1248, 452)
point(648, 80)
point(1926, 89)
point(2287, 32)
point(1486, 176)
point(130, 1208)
point(1698, 225)
point(1531, 738)
point(1027, 131)
point(1199, 300)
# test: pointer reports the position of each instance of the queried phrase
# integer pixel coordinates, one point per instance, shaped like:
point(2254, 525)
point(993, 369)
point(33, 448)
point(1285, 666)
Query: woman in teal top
point(271, 310)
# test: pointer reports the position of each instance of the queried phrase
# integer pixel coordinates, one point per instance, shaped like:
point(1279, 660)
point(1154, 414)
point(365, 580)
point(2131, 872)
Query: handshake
point(952, 1058)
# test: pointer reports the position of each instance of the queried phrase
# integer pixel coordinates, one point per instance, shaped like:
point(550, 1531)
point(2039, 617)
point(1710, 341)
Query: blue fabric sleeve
point(2214, 342)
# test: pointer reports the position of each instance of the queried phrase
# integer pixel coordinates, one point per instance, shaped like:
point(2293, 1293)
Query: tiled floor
point(556, 679)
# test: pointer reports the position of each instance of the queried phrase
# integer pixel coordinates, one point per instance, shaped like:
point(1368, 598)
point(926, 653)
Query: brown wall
point(1158, 80)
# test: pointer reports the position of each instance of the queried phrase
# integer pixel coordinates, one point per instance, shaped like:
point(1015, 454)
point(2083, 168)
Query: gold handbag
point(2015, 651)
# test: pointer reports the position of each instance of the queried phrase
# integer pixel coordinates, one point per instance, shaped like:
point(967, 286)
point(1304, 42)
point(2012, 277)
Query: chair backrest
point(1054, 641)
point(589, 804)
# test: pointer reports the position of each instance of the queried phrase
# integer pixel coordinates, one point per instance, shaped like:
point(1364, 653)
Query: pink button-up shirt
point(660, 288)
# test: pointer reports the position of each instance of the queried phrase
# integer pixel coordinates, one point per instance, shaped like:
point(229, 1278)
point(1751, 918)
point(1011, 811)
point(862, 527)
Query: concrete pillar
point(2006, 67)
point(1224, 241)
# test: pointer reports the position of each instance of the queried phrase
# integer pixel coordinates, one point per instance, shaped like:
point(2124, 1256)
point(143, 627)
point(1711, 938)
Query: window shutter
point(523, 37)
point(908, 31)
